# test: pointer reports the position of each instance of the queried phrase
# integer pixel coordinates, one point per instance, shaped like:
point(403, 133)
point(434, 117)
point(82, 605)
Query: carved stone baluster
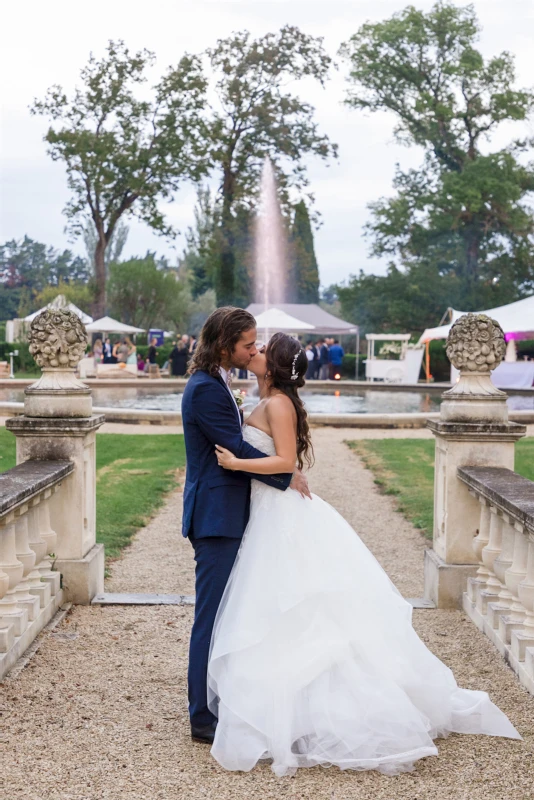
point(26, 555)
point(7, 634)
point(10, 612)
point(37, 587)
point(525, 591)
point(476, 584)
point(489, 554)
point(500, 565)
point(45, 567)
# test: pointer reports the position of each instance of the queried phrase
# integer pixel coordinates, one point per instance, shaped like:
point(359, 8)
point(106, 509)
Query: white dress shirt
point(225, 375)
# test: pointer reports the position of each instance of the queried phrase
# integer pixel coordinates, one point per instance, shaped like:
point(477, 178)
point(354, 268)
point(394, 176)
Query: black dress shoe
point(203, 733)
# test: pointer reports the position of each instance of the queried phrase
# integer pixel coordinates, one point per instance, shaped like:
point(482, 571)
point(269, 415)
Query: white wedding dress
point(313, 657)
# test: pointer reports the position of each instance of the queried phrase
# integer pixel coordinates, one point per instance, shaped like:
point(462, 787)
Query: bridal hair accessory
point(294, 373)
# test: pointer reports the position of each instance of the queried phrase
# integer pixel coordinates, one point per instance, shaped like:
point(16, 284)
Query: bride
point(313, 657)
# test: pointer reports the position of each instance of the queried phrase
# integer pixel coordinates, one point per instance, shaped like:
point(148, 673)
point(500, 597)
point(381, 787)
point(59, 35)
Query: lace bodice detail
point(259, 439)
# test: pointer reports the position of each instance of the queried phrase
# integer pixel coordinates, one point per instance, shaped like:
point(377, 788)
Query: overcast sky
point(48, 42)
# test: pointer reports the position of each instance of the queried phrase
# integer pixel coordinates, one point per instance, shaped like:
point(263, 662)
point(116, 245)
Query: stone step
point(133, 599)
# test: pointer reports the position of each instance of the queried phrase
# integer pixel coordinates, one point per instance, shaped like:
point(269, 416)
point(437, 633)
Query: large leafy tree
point(258, 116)
point(125, 153)
point(304, 272)
point(199, 259)
point(466, 212)
point(144, 293)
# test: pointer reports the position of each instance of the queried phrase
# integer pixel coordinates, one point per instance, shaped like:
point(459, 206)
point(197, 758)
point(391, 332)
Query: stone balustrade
point(30, 588)
point(500, 596)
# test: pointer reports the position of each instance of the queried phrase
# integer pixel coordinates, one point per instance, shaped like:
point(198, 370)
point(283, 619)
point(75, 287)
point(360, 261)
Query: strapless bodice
point(259, 439)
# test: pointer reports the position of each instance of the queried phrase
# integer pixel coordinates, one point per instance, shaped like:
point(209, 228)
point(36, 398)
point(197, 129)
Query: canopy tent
point(109, 325)
point(276, 319)
point(302, 318)
point(515, 317)
point(312, 317)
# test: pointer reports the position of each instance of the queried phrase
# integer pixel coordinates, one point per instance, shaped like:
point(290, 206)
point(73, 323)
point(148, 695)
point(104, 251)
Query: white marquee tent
point(109, 325)
point(515, 317)
point(301, 317)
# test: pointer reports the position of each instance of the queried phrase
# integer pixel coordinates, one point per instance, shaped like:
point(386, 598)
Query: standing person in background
point(107, 351)
point(335, 356)
point(315, 351)
point(193, 345)
point(310, 357)
point(115, 352)
point(97, 351)
point(140, 363)
point(152, 351)
point(323, 359)
point(179, 358)
point(122, 352)
point(132, 352)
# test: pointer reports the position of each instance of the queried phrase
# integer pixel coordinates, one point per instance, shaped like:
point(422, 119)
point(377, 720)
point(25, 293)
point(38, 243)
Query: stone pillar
point(58, 423)
point(473, 430)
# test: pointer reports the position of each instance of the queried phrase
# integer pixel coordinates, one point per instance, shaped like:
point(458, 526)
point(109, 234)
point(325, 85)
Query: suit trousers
point(214, 558)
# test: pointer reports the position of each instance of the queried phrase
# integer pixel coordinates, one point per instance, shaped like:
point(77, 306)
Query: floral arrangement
point(391, 349)
point(239, 396)
point(57, 339)
point(476, 343)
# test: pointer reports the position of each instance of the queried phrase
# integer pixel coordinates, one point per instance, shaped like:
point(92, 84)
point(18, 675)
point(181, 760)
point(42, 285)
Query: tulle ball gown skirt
point(314, 660)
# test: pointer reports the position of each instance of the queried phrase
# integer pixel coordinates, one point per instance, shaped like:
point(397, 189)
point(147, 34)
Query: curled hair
point(222, 331)
point(287, 365)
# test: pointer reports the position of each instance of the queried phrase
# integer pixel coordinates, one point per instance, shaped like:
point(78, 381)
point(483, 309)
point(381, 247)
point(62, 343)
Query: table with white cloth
point(514, 375)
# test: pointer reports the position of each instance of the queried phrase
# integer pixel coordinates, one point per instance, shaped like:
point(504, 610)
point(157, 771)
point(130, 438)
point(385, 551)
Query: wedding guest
point(310, 356)
point(335, 357)
point(152, 351)
point(132, 352)
point(115, 352)
point(323, 359)
point(97, 350)
point(107, 351)
point(122, 352)
point(179, 358)
point(140, 363)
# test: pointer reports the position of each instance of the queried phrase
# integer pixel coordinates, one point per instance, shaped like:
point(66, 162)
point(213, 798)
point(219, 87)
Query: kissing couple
point(302, 649)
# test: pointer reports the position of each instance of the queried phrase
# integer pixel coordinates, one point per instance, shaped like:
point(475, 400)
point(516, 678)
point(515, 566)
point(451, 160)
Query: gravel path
point(100, 713)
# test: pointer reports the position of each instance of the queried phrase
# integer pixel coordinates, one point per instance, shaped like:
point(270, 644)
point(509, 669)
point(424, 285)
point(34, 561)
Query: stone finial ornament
point(475, 346)
point(57, 339)
point(476, 343)
point(57, 342)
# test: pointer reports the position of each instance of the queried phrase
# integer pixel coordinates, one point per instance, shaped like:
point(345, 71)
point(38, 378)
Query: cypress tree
point(304, 272)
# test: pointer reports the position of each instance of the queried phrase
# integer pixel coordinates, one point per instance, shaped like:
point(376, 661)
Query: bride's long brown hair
point(287, 365)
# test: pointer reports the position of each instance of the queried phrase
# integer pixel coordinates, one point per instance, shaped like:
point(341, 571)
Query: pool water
point(365, 401)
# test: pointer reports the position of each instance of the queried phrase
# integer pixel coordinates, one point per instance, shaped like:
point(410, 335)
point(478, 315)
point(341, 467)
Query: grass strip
point(405, 468)
point(134, 472)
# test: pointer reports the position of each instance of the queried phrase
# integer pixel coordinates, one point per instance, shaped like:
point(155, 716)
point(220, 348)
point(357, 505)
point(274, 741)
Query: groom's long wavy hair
point(222, 331)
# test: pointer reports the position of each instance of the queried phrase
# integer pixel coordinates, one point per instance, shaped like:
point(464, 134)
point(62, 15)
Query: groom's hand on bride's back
point(300, 484)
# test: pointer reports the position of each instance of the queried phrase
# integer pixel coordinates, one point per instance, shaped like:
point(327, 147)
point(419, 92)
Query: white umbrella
point(109, 325)
point(276, 319)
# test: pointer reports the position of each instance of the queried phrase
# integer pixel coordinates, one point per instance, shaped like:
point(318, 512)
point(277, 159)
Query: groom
point(216, 502)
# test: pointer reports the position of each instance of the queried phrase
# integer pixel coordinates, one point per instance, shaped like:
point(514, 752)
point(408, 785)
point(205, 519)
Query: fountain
point(270, 244)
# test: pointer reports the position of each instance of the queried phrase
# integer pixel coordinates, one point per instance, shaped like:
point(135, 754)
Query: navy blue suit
point(216, 510)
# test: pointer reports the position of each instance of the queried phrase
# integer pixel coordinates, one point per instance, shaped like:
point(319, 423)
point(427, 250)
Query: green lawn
point(405, 468)
point(133, 474)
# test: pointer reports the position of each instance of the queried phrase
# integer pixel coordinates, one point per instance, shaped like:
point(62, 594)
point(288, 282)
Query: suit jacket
point(216, 501)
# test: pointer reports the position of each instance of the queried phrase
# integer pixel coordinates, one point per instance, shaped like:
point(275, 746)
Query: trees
point(28, 267)
point(465, 213)
point(143, 294)
point(123, 154)
point(199, 259)
point(114, 247)
point(304, 272)
point(258, 117)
